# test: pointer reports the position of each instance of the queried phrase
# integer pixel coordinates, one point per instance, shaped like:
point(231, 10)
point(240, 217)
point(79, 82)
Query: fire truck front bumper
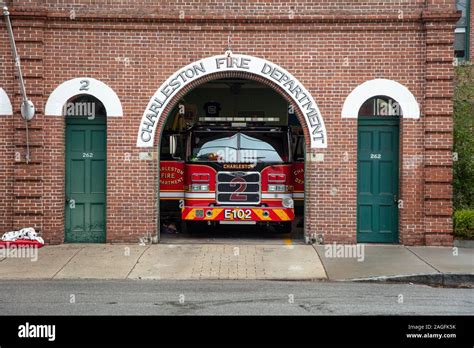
point(273, 214)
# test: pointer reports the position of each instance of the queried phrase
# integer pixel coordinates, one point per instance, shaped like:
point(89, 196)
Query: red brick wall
point(329, 54)
point(6, 134)
point(471, 33)
point(28, 200)
point(438, 130)
point(234, 7)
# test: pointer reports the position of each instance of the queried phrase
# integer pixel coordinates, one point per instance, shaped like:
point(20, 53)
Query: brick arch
point(230, 65)
point(228, 74)
point(232, 74)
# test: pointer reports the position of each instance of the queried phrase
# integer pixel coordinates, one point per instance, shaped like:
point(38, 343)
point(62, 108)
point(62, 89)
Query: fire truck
point(298, 146)
point(229, 171)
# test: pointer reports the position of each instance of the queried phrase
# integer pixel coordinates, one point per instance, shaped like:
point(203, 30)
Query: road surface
point(132, 297)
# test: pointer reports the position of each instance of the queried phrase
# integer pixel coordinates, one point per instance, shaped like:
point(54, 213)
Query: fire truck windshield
point(239, 147)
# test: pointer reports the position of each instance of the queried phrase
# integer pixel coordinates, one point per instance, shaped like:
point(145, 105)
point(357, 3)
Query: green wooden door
point(85, 180)
point(377, 180)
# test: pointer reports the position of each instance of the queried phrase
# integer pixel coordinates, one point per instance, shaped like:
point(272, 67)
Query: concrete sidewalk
point(432, 265)
point(428, 265)
point(168, 261)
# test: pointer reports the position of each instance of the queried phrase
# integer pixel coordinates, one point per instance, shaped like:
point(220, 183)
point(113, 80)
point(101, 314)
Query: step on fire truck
point(229, 171)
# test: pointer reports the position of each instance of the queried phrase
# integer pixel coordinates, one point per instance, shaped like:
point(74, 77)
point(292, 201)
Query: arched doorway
point(93, 100)
point(85, 172)
point(378, 142)
point(233, 66)
point(222, 128)
point(382, 108)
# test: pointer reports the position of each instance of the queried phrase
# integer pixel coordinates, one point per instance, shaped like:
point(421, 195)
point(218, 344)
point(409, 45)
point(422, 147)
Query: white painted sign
point(234, 62)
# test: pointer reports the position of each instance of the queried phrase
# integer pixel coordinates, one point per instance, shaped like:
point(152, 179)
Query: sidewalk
point(168, 261)
point(432, 265)
point(428, 265)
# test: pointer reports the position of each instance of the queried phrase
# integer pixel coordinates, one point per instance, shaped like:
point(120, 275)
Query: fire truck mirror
point(173, 144)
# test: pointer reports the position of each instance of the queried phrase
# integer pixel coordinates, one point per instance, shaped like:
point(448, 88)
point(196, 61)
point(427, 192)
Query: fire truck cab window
point(250, 147)
point(261, 148)
point(213, 148)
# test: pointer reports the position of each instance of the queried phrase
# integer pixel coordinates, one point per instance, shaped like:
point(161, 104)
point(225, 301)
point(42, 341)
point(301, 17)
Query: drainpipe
point(27, 107)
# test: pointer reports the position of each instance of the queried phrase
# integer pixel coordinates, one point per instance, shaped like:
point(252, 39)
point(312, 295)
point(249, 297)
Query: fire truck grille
point(238, 188)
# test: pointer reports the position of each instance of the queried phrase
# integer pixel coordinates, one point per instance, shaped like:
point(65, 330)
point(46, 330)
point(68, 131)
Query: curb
point(464, 243)
point(453, 280)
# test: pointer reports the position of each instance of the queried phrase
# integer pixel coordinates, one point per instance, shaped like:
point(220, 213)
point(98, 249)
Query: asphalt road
point(130, 297)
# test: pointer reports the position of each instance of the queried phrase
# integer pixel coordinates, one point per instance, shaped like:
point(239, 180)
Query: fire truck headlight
point(199, 188)
point(277, 188)
point(287, 202)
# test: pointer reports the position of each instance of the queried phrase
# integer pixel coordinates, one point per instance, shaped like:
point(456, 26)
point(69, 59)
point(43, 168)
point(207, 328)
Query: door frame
point(393, 121)
point(73, 120)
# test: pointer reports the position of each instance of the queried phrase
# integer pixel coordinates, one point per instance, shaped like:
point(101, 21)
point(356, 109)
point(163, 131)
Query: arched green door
point(86, 158)
point(377, 180)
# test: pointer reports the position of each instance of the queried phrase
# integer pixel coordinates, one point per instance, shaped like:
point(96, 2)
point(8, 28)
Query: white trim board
point(5, 104)
point(381, 87)
point(79, 86)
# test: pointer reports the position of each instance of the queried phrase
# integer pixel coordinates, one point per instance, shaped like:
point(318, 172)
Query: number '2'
point(235, 196)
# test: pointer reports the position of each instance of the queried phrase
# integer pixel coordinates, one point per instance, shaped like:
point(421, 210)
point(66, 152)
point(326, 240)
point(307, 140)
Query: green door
point(85, 180)
point(377, 180)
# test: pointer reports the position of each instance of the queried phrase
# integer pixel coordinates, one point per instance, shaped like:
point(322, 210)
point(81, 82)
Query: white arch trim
point(373, 88)
point(237, 62)
point(83, 85)
point(5, 104)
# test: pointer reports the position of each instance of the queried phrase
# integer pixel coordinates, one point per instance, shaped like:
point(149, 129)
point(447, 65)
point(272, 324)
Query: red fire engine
point(298, 146)
point(229, 172)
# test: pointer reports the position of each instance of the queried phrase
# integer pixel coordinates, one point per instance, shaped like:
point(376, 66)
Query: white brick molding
point(83, 86)
point(381, 87)
point(5, 105)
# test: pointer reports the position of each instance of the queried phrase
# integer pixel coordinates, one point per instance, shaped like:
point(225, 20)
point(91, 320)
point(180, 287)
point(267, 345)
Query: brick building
point(344, 53)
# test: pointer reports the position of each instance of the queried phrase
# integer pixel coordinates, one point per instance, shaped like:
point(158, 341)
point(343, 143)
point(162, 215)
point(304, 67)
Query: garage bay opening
point(232, 165)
